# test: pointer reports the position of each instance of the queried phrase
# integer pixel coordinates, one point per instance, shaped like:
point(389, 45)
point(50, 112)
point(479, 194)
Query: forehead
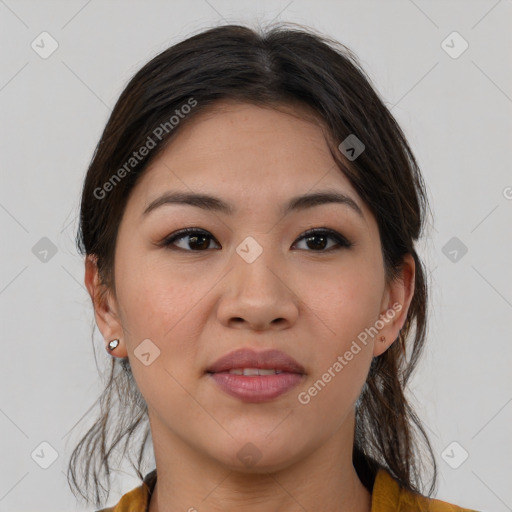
point(229, 129)
point(249, 152)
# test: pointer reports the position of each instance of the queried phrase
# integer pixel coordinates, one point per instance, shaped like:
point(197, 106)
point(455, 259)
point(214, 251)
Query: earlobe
point(104, 306)
point(395, 306)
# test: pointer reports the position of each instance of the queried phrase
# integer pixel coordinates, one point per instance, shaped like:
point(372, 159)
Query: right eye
point(191, 239)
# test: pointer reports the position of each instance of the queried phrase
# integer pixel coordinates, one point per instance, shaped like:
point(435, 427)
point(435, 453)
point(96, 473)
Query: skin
point(197, 305)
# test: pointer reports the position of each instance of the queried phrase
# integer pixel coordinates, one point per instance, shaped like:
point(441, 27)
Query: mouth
point(254, 371)
point(256, 376)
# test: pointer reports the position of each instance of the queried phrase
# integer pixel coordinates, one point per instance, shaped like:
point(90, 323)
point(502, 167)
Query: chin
point(256, 455)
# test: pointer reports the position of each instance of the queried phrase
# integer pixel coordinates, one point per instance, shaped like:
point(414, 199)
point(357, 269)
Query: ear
point(395, 305)
point(105, 307)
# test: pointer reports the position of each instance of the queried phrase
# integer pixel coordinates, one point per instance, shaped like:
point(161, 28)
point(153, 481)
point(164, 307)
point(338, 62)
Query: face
point(262, 272)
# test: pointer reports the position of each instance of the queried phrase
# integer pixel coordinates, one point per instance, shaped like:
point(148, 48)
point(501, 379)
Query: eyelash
point(341, 241)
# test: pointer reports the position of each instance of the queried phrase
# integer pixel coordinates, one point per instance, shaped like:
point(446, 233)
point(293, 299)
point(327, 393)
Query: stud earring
point(113, 344)
point(382, 338)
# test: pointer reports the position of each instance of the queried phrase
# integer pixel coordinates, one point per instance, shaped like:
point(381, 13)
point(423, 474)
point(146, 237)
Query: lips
point(249, 359)
point(251, 376)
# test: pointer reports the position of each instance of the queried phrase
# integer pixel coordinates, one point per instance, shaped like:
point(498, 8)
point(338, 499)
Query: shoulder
point(388, 496)
point(137, 500)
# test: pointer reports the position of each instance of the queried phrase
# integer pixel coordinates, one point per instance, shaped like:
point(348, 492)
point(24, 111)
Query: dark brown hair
point(282, 65)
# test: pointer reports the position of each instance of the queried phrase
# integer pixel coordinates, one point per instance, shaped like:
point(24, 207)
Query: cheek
point(160, 304)
point(166, 304)
point(154, 294)
point(345, 308)
point(349, 302)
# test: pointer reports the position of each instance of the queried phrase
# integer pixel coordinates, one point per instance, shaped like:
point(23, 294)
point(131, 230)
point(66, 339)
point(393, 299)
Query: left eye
point(319, 238)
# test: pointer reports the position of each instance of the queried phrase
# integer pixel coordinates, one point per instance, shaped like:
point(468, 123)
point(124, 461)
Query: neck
point(263, 494)
point(189, 481)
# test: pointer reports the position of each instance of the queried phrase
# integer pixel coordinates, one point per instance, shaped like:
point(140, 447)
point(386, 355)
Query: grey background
point(456, 113)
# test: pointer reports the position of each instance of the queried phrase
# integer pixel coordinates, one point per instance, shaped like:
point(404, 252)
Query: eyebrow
point(216, 204)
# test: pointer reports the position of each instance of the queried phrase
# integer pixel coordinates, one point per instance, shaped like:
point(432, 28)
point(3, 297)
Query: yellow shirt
point(387, 496)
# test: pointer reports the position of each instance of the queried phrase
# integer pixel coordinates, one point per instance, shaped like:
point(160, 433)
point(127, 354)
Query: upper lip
point(247, 358)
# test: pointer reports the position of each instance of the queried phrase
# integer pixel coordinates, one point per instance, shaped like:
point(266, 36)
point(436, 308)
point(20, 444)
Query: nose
point(256, 296)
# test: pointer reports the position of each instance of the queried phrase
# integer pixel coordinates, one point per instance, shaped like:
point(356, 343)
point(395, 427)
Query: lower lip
point(256, 388)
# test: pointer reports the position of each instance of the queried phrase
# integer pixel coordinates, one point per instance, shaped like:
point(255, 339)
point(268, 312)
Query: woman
point(249, 222)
